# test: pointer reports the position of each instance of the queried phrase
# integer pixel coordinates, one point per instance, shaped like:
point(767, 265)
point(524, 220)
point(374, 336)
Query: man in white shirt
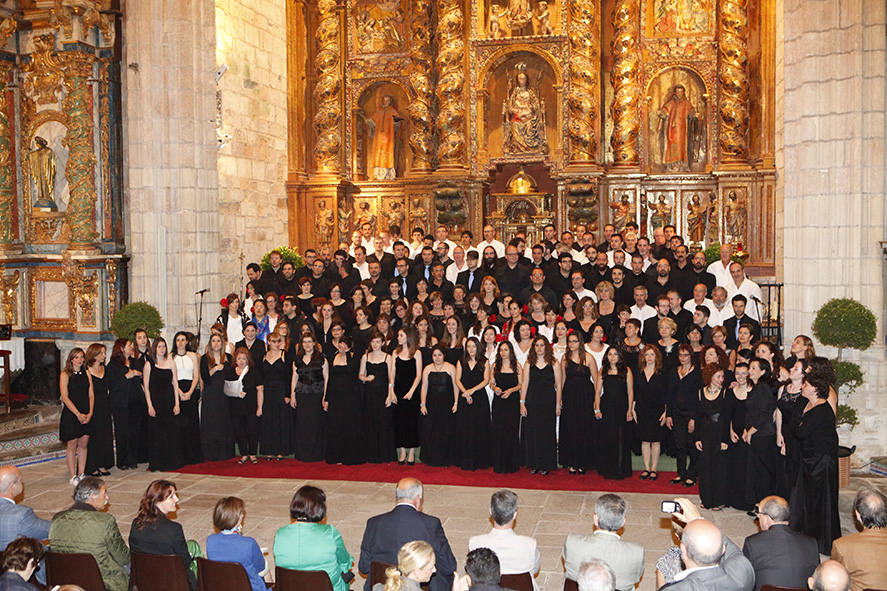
point(646, 252)
point(699, 299)
point(458, 265)
point(577, 281)
point(442, 235)
point(721, 269)
point(490, 240)
point(465, 239)
point(739, 283)
point(366, 236)
point(360, 262)
point(517, 554)
point(641, 311)
point(720, 309)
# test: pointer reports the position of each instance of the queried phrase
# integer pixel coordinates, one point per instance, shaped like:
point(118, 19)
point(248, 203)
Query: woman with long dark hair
point(737, 457)
point(277, 414)
point(439, 402)
point(78, 403)
point(126, 398)
point(216, 435)
point(473, 416)
point(309, 386)
point(790, 404)
point(614, 408)
point(684, 383)
point(540, 406)
point(405, 386)
point(377, 374)
point(187, 366)
point(162, 395)
point(578, 431)
point(100, 449)
point(650, 391)
point(712, 438)
point(232, 319)
point(760, 433)
point(343, 403)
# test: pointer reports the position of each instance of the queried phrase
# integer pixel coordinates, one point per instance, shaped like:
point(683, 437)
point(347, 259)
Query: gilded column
point(733, 77)
point(584, 80)
point(7, 194)
point(421, 119)
point(626, 85)
point(328, 92)
point(80, 171)
point(451, 81)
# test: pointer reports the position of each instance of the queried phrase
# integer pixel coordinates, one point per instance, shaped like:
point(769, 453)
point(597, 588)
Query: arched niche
point(368, 103)
point(660, 90)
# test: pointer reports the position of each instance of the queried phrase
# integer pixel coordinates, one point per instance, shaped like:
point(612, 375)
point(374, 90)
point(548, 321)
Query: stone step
point(30, 435)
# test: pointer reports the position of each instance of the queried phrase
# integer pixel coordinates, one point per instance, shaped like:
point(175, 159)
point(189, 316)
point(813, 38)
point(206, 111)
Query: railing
point(771, 312)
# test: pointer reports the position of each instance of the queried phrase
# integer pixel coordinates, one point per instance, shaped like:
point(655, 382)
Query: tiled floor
point(546, 515)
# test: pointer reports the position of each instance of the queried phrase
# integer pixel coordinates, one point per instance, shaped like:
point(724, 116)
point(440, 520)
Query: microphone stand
point(201, 293)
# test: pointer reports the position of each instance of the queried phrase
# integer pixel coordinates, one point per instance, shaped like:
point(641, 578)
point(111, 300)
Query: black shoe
point(534, 471)
point(580, 472)
point(543, 472)
point(690, 482)
point(133, 466)
point(411, 462)
point(124, 467)
point(401, 462)
point(677, 480)
point(644, 475)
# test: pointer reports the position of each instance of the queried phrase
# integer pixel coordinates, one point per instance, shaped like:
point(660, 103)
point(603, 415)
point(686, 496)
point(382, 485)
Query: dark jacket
point(730, 324)
point(10, 581)
point(163, 537)
point(781, 557)
point(733, 573)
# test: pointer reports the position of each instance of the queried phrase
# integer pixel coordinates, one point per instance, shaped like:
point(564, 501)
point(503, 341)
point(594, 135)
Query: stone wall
point(835, 211)
point(251, 41)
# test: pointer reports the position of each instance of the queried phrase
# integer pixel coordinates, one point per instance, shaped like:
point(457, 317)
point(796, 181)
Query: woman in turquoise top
point(307, 544)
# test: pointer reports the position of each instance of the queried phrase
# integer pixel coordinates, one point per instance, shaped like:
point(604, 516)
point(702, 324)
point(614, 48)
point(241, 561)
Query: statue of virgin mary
point(523, 116)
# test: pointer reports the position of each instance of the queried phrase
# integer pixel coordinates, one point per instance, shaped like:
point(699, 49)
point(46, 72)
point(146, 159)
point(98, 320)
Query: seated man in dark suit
point(18, 521)
point(481, 572)
point(779, 555)
point(385, 534)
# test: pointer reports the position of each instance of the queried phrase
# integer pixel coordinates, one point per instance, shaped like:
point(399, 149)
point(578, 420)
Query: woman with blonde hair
point(415, 565)
point(489, 293)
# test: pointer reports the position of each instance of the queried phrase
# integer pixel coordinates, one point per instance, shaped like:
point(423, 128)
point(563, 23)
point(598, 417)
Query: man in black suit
point(780, 556)
point(559, 281)
point(422, 266)
point(471, 277)
point(385, 534)
point(650, 328)
point(676, 312)
point(700, 275)
point(739, 318)
point(403, 277)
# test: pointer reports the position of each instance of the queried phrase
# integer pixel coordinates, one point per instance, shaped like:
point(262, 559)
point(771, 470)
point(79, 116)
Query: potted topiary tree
point(134, 316)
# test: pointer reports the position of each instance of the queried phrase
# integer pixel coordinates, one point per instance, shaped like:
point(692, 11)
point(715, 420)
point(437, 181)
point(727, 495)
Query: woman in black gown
point(362, 332)
point(277, 414)
point(576, 447)
point(377, 373)
point(100, 449)
point(125, 394)
point(162, 396)
point(343, 404)
point(760, 434)
point(309, 385)
point(790, 405)
point(650, 389)
point(187, 363)
point(614, 407)
point(246, 409)
point(712, 436)
point(452, 340)
point(407, 378)
point(814, 500)
point(473, 416)
point(216, 434)
point(440, 400)
point(506, 417)
point(75, 384)
point(541, 388)
point(737, 456)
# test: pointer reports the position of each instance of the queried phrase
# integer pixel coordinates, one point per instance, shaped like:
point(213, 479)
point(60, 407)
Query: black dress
point(506, 426)
point(165, 449)
point(578, 430)
point(361, 340)
point(473, 421)
point(631, 353)
point(406, 412)
point(216, 433)
point(438, 442)
point(791, 406)
point(761, 474)
point(378, 419)
point(100, 450)
point(615, 436)
point(124, 394)
point(277, 414)
point(712, 429)
point(310, 417)
point(737, 454)
point(344, 396)
point(78, 393)
point(539, 426)
point(189, 413)
point(649, 404)
point(814, 500)
point(453, 355)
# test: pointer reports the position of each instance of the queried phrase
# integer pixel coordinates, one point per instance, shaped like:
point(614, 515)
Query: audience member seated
point(856, 551)
point(385, 534)
point(20, 559)
point(596, 575)
point(18, 520)
point(415, 565)
point(230, 545)
point(482, 572)
point(153, 533)
point(85, 528)
point(308, 544)
point(780, 556)
point(625, 558)
point(830, 576)
point(712, 561)
point(516, 554)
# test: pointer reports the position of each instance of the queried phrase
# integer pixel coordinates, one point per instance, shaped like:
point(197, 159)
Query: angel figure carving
point(523, 114)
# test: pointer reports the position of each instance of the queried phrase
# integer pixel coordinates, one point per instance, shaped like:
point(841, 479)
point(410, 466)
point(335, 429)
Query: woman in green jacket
point(308, 544)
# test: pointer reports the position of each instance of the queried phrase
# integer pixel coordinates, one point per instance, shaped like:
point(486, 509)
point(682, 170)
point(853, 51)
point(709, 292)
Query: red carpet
point(559, 480)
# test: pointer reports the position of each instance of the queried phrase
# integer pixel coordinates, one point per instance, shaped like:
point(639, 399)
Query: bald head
point(776, 508)
point(830, 576)
point(702, 544)
point(409, 490)
point(10, 481)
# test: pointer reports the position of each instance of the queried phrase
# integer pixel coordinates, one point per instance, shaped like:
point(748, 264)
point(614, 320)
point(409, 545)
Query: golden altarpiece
point(62, 267)
point(418, 112)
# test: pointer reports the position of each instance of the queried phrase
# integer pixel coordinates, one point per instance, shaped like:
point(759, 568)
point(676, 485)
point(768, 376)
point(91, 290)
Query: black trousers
point(246, 432)
point(685, 446)
point(127, 433)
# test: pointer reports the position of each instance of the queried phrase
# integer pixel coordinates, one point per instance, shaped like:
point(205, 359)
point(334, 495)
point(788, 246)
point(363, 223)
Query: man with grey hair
point(85, 528)
point(596, 575)
point(831, 576)
point(856, 551)
point(517, 554)
point(780, 556)
point(18, 521)
point(625, 558)
point(385, 534)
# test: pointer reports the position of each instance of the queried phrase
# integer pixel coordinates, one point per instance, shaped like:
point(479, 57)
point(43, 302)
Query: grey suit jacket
point(625, 558)
point(733, 573)
point(17, 521)
point(781, 557)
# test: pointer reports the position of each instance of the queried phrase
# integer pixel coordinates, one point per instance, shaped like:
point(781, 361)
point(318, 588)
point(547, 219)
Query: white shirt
point(721, 273)
point(368, 243)
point(363, 269)
point(598, 357)
point(750, 290)
point(517, 554)
point(587, 293)
point(690, 306)
point(642, 314)
point(453, 271)
point(497, 246)
point(685, 573)
point(579, 257)
point(450, 243)
point(718, 317)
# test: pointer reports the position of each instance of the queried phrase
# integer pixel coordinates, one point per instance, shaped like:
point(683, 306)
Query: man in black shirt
point(636, 274)
point(662, 283)
point(385, 259)
point(288, 283)
point(700, 275)
point(439, 283)
point(681, 273)
point(307, 258)
point(650, 332)
point(600, 271)
point(489, 260)
point(261, 282)
point(683, 318)
point(624, 291)
point(380, 284)
point(559, 280)
point(275, 271)
point(537, 280)
point(609, 230)
point(319, 284)
point(512, 277)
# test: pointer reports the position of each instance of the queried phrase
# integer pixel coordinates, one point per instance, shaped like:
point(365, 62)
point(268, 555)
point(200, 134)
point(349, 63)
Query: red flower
point(492, 318)
point(533, 330)
point(525, 309)
point(224, 302)
point(570, 331)
point(559, 318)
point(283, 297)
point(252, 310)
point(501, 337)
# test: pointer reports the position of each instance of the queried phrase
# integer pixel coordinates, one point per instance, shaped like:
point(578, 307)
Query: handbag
point(233, 388)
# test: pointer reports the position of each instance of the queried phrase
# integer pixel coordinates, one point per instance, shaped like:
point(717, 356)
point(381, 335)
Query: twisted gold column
point(626, 85)
point(80, 170)
point(421, 120)
point(328, 91)
point(733, 77)
point(451, 81)
point(584, 80)
point(7, 197)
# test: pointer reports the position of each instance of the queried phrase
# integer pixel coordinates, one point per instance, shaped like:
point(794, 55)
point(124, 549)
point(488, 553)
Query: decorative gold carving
point(56, 275)
point(111, 279)
point(105, 135)
point(104, 22)
point(626, 85)
point(7, 196)
point(80, 170)
point(9, 287)
point(733, 76)
point(43, 74)
point(323, 223)
point(450, 55)
point(584, 79)
point(7, 28)
point(420, 109)
point(83, 287)
point(60, 18)
point(328, 92)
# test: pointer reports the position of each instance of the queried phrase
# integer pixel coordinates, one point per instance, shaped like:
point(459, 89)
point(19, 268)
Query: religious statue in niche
point(383, 126)
point(344, 218)
point(418, 215)
point(680, 132)
point(323, 223)
point(365, 215)
point(696, 214)
point(41, 161)
point(542, 20)
point(623, 212)
point(495, 28)
point(523, 114)
point(734, 217)
point(712, 217)
point(519, 18)
point(395, 215)
point(660, 213)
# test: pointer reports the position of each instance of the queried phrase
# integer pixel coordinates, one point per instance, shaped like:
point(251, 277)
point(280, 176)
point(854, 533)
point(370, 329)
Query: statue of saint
point(495, 28)
point(712, 217)
point(523, 113)
point(678, 125)
point(418, 215)
point(518, 16)
point(323, 223)
point(344, 218)
point(734, 217)
point(365, 216)
point(696, 219)
point(543, 17)
point(383, 127)
point(395, 215)
point(621, 213)
point(42, 163)
point(660, 215)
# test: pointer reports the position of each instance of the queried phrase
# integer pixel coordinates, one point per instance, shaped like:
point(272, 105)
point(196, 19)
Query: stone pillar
point(625, 78)
point(171, 150)
point(835, 211)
